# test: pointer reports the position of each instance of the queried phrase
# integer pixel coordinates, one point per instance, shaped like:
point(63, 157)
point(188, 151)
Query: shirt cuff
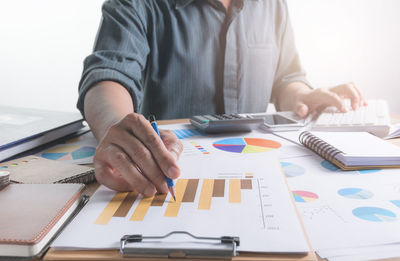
point(99, 75)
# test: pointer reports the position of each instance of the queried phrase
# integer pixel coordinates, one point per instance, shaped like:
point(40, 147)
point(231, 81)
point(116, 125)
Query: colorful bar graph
point(246, 184)
point(219, 188)
point(141, 209)
point(186, 133)
point(249, 175)
point(200, 148)
point(126, 205)
point(158, 200)
point(191, 190)
point(206, 194)
point(234, 191)
point(173, 206)
point(186, 190)
point(110, 209)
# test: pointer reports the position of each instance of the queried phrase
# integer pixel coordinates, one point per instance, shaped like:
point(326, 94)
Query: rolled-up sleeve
point(289, 68)
point(120, 51)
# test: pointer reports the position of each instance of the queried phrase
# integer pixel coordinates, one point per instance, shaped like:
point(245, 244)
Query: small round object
point(4, 173)
point(4, 177)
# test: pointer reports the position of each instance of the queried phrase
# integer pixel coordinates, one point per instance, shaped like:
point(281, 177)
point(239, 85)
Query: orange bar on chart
point(110, 209)
point(141, 209)
point(173, 206)
point(158, 200)
point(126, 205)
point(206, 194)
point(234, 191)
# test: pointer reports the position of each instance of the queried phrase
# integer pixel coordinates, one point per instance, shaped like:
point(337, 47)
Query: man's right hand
point(132, 157)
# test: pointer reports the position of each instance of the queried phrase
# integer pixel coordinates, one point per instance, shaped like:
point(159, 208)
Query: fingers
point(140, 156)
point(132, 156)
point(142, 129)
point(301, 110)
point(328, 98)
point(123, 168)
point(350, 90)
point(105, 175)
point(363, 102)
point(172, 143)
point(322, 98)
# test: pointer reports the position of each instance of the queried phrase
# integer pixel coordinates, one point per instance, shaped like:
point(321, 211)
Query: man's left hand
point(318, 99)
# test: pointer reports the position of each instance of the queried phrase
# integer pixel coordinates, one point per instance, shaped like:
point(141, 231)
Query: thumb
point(301, 110)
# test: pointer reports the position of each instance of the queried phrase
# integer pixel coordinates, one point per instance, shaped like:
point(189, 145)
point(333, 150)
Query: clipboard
point(127, 240)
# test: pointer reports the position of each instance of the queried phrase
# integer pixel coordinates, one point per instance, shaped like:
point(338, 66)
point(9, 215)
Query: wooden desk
point(114, 255)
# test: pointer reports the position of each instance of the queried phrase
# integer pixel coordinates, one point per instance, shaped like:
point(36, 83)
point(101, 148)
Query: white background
point(43, 44)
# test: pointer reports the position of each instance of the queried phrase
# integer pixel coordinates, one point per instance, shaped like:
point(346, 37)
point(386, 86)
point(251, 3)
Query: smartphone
point(278, 122)
point(272, 120)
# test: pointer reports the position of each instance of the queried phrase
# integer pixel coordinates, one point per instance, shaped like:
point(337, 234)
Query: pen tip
point(172, 191)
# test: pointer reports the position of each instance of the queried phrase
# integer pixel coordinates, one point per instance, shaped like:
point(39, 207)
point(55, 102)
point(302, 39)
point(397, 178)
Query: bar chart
point(186, 191)
point(187, 133)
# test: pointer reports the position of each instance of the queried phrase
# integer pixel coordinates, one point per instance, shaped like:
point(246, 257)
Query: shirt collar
point(183, 3)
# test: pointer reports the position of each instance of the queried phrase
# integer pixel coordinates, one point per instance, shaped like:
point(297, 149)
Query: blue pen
point(170, 183)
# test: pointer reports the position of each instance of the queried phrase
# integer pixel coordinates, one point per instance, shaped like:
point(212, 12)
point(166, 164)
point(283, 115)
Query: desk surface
point(114, 255)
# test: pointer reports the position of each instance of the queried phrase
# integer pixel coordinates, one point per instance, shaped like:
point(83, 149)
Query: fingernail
point(173, 172)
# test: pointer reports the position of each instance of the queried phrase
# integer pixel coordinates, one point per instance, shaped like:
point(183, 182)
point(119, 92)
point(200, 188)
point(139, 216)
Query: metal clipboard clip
point(191, 246)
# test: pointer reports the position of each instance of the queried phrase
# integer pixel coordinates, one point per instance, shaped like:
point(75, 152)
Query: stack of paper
point(349, 215)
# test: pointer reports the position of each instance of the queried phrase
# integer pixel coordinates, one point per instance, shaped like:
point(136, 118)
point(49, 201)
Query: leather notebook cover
point(38, 170)
point(30, 211)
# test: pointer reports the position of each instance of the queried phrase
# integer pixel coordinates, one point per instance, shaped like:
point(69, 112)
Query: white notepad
point(350, 150)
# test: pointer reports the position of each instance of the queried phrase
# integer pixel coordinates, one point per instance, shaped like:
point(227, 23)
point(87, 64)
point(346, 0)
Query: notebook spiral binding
point(85, 178)
point(319, 146)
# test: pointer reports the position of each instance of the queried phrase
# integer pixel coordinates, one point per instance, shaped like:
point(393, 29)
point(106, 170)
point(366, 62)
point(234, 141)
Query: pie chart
point(355, 193)
point(246, 145)
point(396, 202)
point(304, 196)
point(374, 214)
point(292, 170)
point(69, 152)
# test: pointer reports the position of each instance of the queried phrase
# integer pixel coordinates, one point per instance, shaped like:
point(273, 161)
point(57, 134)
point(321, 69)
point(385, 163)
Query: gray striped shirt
point(179, 58)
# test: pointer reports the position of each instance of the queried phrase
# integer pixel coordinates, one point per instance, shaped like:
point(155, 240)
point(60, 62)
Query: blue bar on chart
point(186, 133)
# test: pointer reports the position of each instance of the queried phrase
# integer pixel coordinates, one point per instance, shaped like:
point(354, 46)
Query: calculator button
point(211, 117)
point(236, 116)
point(200, 119)
point(219, 117)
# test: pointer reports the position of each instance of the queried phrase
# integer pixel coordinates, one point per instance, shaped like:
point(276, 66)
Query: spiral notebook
point(352, 150)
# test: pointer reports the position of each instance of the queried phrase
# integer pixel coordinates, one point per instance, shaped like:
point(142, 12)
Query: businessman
point(178, 58)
